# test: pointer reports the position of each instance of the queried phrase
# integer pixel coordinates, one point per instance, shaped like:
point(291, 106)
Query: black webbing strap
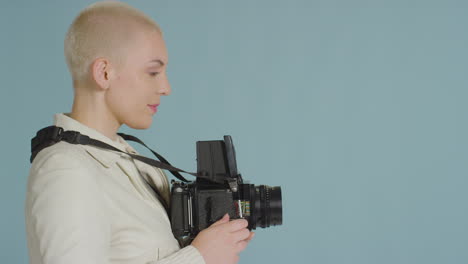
point(53, 134)
point(161, 158)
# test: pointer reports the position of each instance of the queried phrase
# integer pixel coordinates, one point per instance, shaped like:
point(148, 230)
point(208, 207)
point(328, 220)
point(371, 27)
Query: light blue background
point(357, 109)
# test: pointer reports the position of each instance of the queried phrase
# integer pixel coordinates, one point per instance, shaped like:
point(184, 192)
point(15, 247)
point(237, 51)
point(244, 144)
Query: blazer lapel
point(132, 174)
point(156, 178)
point(139, 173)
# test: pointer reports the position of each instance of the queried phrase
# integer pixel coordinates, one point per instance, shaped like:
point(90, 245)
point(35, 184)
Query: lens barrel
point(268, 210)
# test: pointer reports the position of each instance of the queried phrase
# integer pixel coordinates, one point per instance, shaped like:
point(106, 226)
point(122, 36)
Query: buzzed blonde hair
point(103, 29)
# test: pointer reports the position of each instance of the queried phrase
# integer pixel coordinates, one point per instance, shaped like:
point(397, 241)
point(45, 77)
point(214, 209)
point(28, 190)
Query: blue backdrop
point(357, 109)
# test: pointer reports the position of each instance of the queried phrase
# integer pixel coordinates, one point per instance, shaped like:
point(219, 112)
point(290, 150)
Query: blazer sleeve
point(187, 255)
point(64, 211)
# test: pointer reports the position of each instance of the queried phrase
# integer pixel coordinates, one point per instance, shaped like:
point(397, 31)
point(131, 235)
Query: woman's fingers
point(252, 234)
point(237, 224)
point(241, 235)
point(223, 220)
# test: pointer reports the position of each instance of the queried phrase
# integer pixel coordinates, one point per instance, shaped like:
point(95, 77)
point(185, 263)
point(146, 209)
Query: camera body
point(219, 189)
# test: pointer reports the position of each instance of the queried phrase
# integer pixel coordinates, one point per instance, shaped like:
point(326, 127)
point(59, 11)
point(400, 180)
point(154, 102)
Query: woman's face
point(140, 82)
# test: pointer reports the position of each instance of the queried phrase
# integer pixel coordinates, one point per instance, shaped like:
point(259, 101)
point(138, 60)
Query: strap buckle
point(53, 133)
point(74, 137)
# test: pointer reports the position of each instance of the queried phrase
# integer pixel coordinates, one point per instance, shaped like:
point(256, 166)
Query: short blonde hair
point(103, 29)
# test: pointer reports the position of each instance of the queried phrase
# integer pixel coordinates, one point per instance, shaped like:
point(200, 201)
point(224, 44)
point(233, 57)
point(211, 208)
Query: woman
point(90, 205)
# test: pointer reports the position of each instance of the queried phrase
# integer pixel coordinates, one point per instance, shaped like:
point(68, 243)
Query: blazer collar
point(105, 157)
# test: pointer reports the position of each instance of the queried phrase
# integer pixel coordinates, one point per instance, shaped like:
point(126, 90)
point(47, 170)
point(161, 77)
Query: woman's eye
point(154, 73)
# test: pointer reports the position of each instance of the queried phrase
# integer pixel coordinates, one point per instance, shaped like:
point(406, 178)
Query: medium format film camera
point(219, 189)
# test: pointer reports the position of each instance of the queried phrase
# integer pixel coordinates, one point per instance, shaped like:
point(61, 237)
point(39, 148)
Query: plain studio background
point(357, 109)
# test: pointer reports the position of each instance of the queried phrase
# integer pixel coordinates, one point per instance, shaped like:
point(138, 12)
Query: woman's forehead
point(150, 49)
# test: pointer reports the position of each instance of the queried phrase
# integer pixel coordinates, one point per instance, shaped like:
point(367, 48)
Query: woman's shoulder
point(60, 155)
point(60, 169)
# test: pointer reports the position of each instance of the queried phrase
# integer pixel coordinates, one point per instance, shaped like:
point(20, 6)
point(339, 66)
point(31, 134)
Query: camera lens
point(268, 208)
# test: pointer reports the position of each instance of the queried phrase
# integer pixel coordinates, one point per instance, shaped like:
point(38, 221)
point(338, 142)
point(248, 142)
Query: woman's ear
point(101, 72)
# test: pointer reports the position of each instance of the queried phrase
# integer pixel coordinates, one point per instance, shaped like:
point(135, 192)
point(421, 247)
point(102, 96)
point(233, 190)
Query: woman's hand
point(223, 241)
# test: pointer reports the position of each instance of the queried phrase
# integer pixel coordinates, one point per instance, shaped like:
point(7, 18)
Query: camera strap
point(50, 135)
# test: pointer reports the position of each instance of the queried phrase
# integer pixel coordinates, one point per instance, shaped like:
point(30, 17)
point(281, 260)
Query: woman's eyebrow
point(161, 63)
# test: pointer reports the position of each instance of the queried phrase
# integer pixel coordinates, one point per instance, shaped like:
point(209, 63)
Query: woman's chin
point(140, 124)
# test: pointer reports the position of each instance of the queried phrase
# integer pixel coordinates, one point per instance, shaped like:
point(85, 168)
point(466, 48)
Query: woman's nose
point(164, 86)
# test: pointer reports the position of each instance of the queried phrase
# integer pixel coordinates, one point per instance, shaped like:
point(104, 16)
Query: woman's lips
point(153, 108)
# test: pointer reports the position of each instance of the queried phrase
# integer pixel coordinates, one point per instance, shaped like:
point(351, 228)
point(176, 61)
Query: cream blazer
point(85, 205)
